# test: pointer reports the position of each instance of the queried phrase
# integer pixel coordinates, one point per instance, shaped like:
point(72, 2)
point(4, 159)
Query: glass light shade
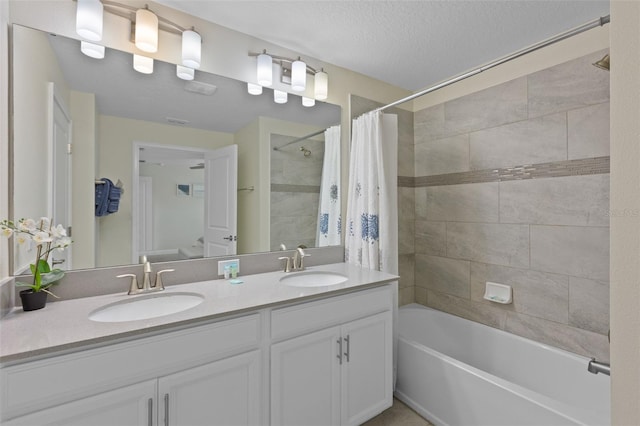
point(254, 89)
point(298, 76)
point(279, 97)
point(265, 70)
point(142, 64)
point(146, 30)
point(92, 50)
point(89, 19)
point(191, 49)
point(321, 87)
point(185, 73)
point(308, 102)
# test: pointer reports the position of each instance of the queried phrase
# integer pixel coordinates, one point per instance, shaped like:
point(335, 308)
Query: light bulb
point(142, 64)
point(265, 70)
point(321, 86)
point(191, 49)
point(308, 102)
point(254, 89)
point(146, 30)
point(298, 76)
point(185, 73)
point(279, 97)
point(92, 50)
point(89, 19)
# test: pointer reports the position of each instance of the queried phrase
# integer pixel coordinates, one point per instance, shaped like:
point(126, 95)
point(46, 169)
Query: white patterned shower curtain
point(329, 215)
point(371, 239)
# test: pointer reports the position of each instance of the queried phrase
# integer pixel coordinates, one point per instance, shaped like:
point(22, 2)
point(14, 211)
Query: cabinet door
point(225, 392)
point(305, 380)
point(129, 406)
point(367, 370)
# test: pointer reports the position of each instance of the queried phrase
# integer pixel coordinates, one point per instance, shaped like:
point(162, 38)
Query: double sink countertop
point(65, 325)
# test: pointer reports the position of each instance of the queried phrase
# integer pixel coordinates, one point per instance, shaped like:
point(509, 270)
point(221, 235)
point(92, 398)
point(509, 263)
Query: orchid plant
point(46, 238)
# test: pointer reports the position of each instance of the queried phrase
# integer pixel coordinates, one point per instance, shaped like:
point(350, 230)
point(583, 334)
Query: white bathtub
point(458, 372)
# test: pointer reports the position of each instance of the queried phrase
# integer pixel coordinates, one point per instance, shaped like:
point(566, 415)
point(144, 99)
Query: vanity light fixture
point(280, 97)
point(89, 19)
point(298, 75)
point(293, 72)
point(265, 69)
point(185, 73)
point(143, 64)
point(254, 89)
point(146, 30)
point(92, 50)
point(308, 102)
point(321, 85)
point(145, 25)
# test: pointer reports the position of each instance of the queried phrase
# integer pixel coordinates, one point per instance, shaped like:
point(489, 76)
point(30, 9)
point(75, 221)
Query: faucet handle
point(287, 266)
point(133, 288)
point(159, 285)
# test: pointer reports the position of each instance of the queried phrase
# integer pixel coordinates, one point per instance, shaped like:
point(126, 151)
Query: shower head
point(603, 63)
point(306, 151)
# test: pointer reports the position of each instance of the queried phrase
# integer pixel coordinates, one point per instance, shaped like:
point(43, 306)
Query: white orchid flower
point(44, 223)
point(27, 225)
point(62, 243)
point(22, 239)
point(6, 232)
point(58, 231)
point(42, 237)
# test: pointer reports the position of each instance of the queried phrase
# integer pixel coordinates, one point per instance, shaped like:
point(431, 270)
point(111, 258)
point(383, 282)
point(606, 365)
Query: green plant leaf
point(51, 277)
point(43, 266)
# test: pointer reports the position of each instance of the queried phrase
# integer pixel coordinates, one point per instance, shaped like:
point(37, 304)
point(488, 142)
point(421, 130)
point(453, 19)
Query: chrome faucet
point(596, 367)
point(298, 259)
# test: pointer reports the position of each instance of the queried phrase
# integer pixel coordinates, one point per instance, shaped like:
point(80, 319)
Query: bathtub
point(457, 372)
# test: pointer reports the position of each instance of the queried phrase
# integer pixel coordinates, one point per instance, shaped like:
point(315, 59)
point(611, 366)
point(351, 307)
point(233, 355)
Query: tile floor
point(398, 415)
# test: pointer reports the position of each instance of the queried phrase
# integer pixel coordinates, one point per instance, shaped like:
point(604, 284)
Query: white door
point(367, 370)
point(145, 214)
point(220, 201)
point(305, 380)
point(60, 134)
point(129, 406)
point(225, 393)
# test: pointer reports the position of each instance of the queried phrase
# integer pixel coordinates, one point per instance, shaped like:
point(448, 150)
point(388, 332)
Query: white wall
point(4, 136)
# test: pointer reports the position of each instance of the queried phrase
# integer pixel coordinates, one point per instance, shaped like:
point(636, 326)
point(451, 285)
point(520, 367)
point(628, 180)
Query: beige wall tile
point(431, 238)
point(445, 275)
point(440, 156)
point(475, 202)
point(589, 304)
point(406, 270)
point(506, 245)
point(406, 296)
point(573, 200)
point(468, 309)
point(578, 251)
point(421, 295)
point(538, 140)
point(428, 124)
point(588, 130)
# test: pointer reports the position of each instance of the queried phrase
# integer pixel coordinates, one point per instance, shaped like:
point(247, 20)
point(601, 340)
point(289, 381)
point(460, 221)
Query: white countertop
point(65, 324)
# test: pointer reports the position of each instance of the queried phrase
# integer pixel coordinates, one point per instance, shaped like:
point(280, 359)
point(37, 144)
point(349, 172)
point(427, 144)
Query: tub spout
point(596, 367)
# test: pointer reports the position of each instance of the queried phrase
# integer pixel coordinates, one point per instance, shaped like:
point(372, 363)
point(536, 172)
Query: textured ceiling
point(410, 44)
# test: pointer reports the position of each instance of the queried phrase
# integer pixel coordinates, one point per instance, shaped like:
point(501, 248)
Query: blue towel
point(107, 197)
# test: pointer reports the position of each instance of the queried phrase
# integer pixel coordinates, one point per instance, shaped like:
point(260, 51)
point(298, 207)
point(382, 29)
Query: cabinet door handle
point(150, 404)
point(339, 341)
point(166, 409)
point(347, 352)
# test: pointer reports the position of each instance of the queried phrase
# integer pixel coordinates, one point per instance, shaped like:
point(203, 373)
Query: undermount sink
point(313, 279)
point(145, 307)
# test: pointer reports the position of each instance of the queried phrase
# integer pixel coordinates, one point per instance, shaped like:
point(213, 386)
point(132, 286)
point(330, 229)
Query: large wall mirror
point(178, 149)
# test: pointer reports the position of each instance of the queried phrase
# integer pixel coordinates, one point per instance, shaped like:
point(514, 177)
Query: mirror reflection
point(195, 159)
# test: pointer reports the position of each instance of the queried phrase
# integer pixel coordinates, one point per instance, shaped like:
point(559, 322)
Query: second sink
point(145, 307)
point(313, 279)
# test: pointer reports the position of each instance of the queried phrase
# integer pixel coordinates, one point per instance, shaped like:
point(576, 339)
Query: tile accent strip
point(276, 187)
point(586, 166)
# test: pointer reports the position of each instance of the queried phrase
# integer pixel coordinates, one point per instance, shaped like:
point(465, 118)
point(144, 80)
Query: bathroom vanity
point(261, 352)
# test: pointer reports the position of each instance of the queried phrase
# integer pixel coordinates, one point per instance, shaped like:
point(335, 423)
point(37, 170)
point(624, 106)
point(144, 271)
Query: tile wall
point(511, 185)
point(295, 192)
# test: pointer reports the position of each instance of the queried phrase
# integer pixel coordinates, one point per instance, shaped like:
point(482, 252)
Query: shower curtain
point(329, 219)
point(371, 239)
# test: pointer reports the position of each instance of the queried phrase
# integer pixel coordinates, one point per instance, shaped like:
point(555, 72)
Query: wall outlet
point(223, 263)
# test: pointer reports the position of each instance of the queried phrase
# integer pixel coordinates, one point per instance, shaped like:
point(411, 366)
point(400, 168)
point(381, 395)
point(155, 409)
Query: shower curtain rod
point(562, 36)
point(277, 148)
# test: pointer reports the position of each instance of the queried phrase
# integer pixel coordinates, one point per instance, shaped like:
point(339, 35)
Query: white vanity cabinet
point(340, 374)
point(205, 375)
